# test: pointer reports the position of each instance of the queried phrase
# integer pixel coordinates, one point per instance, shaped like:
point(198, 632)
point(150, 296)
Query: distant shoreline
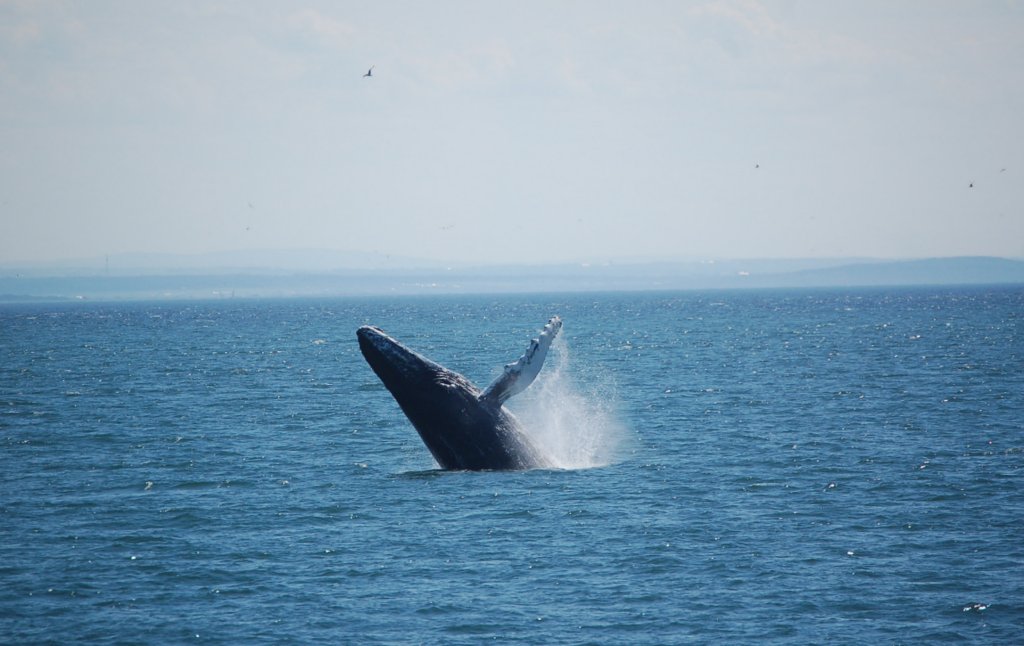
point(27, 287)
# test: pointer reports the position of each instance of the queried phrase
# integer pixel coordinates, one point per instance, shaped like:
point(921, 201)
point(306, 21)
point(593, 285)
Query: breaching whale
point(464, 427)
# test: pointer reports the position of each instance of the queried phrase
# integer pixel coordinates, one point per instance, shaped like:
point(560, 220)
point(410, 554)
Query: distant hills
point(931, 271)
point(327, 274)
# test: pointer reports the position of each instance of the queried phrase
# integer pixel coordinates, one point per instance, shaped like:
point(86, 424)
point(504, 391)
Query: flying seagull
point(369, 72)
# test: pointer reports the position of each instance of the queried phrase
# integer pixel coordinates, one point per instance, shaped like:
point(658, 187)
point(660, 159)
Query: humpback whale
point(464, 427)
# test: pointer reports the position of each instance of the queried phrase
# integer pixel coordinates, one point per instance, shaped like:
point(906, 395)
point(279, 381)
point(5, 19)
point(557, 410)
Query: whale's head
point(440, 403)
point(406, 373)
point(396, 365)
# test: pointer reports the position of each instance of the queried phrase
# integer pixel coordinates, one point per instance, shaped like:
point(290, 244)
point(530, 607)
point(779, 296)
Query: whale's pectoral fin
point(519, 375)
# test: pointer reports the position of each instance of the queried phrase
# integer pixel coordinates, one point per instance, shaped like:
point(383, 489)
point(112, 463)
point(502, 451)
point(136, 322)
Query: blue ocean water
point(802, 466)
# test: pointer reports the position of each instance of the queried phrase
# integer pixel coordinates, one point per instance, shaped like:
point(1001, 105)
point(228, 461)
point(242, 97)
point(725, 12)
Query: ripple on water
point(282, 509)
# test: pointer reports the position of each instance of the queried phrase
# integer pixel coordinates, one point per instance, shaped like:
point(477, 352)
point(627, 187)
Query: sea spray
point(575, 426)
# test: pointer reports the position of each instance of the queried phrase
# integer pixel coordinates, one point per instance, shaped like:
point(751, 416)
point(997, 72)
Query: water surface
point(802, 466)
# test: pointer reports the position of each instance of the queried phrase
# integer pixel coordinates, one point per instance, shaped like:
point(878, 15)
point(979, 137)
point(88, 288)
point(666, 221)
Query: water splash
point(576, 427)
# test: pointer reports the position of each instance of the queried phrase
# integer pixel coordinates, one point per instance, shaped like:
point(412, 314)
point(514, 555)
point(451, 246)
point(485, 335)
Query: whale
point(465, 428)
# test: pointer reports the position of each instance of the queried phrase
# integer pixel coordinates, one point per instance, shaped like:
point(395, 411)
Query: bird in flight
point(369, 72)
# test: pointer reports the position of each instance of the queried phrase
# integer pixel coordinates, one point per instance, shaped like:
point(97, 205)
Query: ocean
point(805, 466)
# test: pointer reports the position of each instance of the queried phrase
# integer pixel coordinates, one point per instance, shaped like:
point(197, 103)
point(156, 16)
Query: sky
point(512, 132)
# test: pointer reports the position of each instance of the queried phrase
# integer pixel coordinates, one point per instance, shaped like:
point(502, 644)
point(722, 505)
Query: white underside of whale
point(517, 376)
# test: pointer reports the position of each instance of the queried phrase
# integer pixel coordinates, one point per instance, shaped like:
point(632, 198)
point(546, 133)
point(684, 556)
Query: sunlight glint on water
point(793, 467)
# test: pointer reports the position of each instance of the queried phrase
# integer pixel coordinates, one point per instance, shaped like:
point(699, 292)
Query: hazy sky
point(513, 131)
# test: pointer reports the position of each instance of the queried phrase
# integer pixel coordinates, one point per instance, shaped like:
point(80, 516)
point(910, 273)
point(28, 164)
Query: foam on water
point(575, 426)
